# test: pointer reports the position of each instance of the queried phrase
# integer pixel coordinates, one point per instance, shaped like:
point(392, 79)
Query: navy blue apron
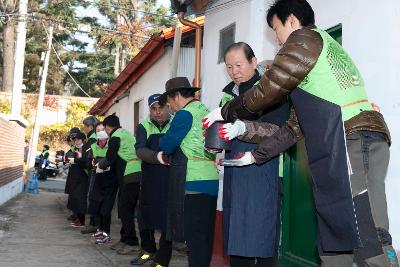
point(322, 125)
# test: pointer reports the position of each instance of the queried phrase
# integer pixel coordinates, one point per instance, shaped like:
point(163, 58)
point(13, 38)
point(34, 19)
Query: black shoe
point(89, 230)
point(127, 249)
point(72, 217)
point(142, 258)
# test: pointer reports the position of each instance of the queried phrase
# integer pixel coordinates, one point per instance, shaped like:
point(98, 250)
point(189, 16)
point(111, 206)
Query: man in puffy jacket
point(330, 100)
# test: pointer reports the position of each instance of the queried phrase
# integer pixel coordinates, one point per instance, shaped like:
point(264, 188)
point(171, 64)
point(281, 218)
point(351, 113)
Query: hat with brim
point(175, 84)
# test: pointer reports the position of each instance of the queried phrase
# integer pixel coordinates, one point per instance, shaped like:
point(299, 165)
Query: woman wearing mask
point(102, 196)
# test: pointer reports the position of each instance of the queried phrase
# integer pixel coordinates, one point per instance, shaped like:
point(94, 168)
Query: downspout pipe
point(181, 17)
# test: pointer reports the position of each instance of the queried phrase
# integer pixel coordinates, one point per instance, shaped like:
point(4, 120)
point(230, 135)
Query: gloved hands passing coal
point(229, 131)
point(212, 117)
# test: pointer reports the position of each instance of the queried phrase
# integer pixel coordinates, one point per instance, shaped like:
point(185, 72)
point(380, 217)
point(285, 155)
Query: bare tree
point(8, 7)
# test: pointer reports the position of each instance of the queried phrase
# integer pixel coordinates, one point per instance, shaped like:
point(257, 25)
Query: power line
point(133, 9)
point(62, 63)
point(90, 31)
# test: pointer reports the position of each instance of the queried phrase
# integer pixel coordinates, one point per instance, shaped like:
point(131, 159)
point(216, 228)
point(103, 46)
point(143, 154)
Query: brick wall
point(12, 141)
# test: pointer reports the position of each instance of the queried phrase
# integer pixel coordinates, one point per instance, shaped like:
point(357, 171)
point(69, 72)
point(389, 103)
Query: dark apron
point(176, 196)
point(322, 125)
point(79, 185)
point(103, 193)
point(250, 199)
point(153, 191)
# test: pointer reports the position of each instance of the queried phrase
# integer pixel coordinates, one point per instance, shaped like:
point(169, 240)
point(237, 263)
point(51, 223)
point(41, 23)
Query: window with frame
point(226, 38)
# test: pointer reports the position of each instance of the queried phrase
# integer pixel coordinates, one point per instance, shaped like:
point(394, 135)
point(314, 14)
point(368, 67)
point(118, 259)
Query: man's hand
point(162, 158)
point(212, 117)
point(229, 131)
point(241, 159)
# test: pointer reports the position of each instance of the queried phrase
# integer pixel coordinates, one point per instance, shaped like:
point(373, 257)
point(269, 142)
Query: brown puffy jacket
point(272, 140)
point(291, 65)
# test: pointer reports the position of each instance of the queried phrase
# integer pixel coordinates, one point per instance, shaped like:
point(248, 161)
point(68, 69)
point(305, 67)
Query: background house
point(371, 40)
point(145, 75)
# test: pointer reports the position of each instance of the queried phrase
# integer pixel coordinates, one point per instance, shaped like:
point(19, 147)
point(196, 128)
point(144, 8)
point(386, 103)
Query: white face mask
point(102, 134)
point(79, 145)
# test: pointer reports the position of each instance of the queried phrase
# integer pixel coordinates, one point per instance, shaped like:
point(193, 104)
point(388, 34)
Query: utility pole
point(42, 90)
point(19, 59)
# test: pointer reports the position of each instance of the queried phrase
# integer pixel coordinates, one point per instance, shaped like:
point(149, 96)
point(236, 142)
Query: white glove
point(71, 160)
point(212, 117)
point(229, 131)
point(213, 150)
point(241, 159)
point(162, 158)
point(98, 170)
point(43, 166)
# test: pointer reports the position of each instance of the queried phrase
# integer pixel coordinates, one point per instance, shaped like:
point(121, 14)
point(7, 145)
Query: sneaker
point(155, 264)
point(98, 234)
point(117, 245)
point(89, 230)
point(77, 223)
point(127, 249)
point(142, 258)
point(104, 238)
point(74, 221)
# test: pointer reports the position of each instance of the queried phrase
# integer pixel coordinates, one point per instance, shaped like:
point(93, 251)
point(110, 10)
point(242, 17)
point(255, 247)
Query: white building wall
point(151, 82)
point(371, 40)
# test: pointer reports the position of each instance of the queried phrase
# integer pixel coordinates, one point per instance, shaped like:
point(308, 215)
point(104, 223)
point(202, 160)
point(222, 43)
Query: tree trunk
point(116, 60)
point(123, 58)
point(8, 56)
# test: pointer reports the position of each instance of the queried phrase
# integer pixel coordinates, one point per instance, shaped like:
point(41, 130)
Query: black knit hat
point(80, 136)
point(112, 121)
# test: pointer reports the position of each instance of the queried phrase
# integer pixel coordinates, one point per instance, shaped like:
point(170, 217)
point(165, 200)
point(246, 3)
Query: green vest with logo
point(336, 79)
point(201, 164)
point(153, 129)
point(127, 151)
point(99, 152)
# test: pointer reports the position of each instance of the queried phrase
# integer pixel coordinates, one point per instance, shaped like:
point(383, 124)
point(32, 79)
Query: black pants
point(95, 220)
point(105, 223)
point(199, 227)
point(81, 217)
point(127, 201)
point(148, 244)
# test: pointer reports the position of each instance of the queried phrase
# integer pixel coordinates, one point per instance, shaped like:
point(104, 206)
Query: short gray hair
point(90, 121)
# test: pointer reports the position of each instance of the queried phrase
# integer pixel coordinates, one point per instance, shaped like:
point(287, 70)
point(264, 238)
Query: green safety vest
point(93, 136)
point(201, 164)
point(336, 79)
point(45, 153)
point(151, 128)
point(127, 151)
point(226, 98)
point(99, 152)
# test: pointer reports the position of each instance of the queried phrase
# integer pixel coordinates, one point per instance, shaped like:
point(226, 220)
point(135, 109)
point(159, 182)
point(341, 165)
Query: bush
point(5, 106)
point(55, 134)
